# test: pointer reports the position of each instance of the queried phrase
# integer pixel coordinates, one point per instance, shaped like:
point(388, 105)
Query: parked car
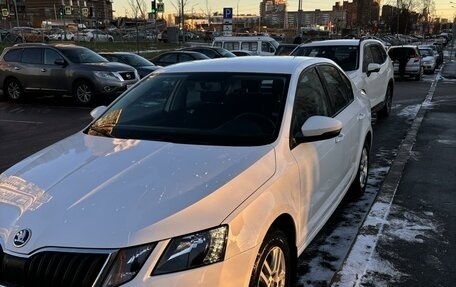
point(412, 58)
point(139, 36)
point(211, 52)
point(240, 53)
point(260, 45)
point(141, 64)
point(174, 57)
point(60, 35)
point(214, 173)
point(285, 49)
point(61, 69)
point(438, 53)
point(93, 35)
point(366, 63)
point(31, 35)
point(429, 59)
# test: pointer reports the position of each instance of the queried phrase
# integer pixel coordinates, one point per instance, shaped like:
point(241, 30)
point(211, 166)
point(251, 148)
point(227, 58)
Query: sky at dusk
point(443, 8)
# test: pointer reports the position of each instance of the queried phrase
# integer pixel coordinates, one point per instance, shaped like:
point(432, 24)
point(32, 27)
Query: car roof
point(403, 46)
point(200, 47)
point(118, 53)
point(193, 53)
point(336, 42)
point(252, 64)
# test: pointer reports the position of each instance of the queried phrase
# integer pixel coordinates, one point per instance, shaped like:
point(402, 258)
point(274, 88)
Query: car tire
point(358, 186)
point(273, 263)
point(388, 102)
point(14, 90)
point(83, 93)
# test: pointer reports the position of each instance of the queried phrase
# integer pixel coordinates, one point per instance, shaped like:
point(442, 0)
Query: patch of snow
point(364, 266)
point(409, 111)
point(447, 142)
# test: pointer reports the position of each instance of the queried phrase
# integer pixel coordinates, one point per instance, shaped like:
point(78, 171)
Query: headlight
point(127, 264)
point(106, 75)
point(193, 250)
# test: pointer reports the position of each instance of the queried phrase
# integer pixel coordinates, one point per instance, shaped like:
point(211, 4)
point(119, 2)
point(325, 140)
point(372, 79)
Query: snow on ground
point(363, 266)
point(410, 112)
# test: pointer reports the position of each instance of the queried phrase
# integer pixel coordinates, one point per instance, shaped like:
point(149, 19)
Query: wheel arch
point(286, 223)
point(6, 80)
point(81, 79)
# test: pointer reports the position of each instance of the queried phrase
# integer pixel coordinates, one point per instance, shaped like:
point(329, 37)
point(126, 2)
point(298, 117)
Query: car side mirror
point(317, 128)
point(98, 111)
point(60, 62)
point(373, 67)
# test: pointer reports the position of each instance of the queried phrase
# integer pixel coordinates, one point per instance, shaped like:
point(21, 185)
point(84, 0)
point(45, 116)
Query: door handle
point(361, 116)
point(17, 68)
point(43, 70)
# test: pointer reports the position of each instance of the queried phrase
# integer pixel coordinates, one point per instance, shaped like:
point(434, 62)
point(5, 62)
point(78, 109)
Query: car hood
point(428, 58)
point(91, 192)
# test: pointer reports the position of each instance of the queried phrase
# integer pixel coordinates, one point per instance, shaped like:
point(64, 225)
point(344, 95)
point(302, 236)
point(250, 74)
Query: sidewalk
point(409, 235)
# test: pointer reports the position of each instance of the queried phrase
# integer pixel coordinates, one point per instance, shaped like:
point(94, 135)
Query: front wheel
point(14, 90)
point(358, 187)
point(83, 93)
point(273, 263)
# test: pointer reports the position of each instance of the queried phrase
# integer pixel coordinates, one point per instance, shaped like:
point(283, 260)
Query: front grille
point(56, 269)
point(127, 76)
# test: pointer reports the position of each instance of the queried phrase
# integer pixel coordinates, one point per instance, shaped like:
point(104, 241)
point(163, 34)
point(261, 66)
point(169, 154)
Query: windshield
point(345, 56)
point(79, 55)
point(426, 52)
point(199, 108)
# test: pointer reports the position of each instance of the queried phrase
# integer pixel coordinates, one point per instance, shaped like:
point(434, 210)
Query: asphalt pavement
point(409, 236)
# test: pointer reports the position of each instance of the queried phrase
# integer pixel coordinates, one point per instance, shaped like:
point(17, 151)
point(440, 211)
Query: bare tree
point(138, 8)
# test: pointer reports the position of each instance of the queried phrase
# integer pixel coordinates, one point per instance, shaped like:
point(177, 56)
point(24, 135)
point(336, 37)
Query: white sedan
point(93, 35)
point(206, 173)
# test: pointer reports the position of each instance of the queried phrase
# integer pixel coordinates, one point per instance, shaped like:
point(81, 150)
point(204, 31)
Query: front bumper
point(114, 86)
point(233, 272)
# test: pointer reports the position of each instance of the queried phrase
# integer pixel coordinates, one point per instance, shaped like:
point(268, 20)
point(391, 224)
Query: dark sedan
point(141, 64)
point(211, 52)
point(174, 57)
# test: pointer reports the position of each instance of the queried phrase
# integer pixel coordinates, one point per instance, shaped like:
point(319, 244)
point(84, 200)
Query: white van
point(260, 45)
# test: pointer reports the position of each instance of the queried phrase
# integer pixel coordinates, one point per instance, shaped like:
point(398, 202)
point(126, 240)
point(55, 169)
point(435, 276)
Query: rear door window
point(33, 56)
point(13, 55)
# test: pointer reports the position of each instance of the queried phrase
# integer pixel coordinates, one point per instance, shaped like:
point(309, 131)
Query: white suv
point(365, 61)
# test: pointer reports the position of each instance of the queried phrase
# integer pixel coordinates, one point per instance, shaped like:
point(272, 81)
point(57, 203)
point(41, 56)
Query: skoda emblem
point(22, 237)
point(128, 76)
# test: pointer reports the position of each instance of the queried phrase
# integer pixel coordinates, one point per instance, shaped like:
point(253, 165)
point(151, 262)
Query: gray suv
point(62, 69)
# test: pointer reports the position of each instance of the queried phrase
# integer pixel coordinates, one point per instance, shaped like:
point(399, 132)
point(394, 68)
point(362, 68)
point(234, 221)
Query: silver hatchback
point(411, 57)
